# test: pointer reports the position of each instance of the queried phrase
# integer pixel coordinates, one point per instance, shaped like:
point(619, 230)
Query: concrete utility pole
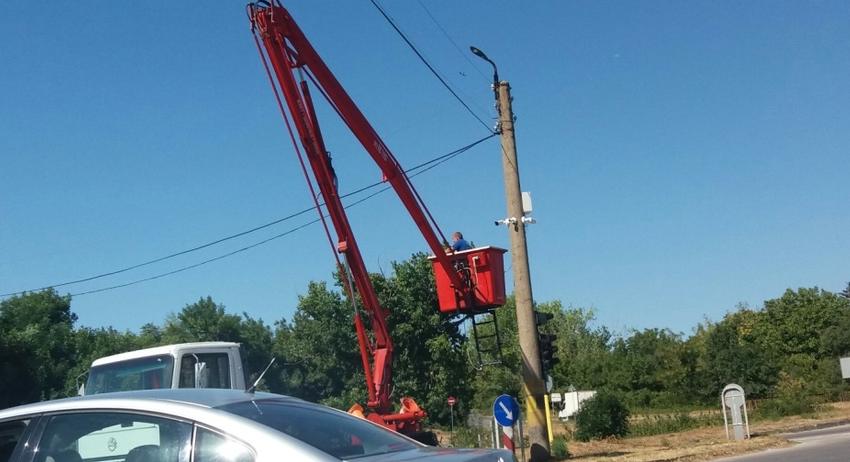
point(533, 388)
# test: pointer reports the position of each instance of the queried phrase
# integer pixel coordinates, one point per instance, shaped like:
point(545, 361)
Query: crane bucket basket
point(482, 268)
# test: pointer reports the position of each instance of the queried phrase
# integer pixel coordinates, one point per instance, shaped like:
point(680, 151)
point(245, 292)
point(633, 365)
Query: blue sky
point(683, 157)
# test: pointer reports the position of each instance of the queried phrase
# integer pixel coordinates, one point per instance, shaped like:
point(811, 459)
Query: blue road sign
point(506, 410)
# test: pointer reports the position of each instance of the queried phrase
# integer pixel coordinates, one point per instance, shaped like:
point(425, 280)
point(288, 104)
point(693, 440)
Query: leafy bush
point(602, 416)
point(471, 437)
point(791, 399)
point(559, 447)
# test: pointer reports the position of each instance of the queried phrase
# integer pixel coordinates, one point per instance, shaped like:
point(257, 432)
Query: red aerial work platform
point(481, 269)
point(469, 282)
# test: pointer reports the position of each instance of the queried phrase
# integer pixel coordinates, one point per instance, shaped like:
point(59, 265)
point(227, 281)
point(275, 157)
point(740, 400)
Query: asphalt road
point(824, 445)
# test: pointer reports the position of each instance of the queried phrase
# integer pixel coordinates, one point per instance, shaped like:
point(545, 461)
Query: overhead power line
point(422, 168)
point(425, 167)
point(463, 54)
point(428, 65)
point(185, 268)
point(223, 256)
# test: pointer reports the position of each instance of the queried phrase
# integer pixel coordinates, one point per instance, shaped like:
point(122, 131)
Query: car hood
point(443, 455)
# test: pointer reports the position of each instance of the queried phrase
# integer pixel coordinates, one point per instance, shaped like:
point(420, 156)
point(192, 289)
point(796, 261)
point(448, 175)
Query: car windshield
point(340, 435)
point(134, 374)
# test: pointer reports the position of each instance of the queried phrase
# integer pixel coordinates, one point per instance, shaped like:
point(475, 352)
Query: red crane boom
point(292, 57)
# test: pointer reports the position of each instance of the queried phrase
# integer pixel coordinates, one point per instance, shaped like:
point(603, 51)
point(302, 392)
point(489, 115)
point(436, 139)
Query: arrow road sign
point(506, 410)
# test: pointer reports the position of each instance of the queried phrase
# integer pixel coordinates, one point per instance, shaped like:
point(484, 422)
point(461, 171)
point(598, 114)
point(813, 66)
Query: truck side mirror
point(81, 384)
point(201, 376)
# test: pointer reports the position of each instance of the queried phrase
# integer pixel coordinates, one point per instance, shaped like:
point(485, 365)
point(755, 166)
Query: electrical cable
point(450, 39)
point(424, 166)
point(185, 268)
point(428, 65)
point(434, 164)
point(166, 257)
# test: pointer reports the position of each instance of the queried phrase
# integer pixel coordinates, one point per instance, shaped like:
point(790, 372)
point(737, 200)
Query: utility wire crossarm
point(292, 61)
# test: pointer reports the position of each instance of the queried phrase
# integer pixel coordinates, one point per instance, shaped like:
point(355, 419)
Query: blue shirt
point(461, 244)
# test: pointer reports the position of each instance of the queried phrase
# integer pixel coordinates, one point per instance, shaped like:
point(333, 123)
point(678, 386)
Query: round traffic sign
point(452, 400)
point(506, 410)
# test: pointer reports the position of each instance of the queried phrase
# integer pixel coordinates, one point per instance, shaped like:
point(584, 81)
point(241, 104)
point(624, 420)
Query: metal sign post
point(521, 440)
point(452, 401)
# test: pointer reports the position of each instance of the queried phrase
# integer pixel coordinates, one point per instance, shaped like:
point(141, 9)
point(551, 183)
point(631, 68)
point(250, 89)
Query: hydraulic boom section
point(293, 62)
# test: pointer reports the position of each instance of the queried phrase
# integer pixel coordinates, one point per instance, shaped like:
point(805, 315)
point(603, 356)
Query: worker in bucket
point(459, 243)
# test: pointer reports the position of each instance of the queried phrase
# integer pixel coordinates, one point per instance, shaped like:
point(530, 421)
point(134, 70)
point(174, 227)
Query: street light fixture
point(480, 54)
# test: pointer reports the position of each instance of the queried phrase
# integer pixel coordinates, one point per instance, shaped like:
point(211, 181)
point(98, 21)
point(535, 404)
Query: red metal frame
point(483, 269)
point(289, 52)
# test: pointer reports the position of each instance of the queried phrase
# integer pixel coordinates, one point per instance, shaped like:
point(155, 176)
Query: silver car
point(189, 425)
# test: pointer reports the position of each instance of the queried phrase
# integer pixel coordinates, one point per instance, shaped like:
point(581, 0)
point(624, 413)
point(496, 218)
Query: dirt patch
point(705, 443)
point(693, 445)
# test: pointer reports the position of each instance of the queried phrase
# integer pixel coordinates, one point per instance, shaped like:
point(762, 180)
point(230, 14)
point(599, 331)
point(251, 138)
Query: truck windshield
point(132, 374)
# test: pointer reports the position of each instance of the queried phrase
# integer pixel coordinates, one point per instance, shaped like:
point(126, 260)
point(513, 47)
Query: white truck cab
point(183, 365)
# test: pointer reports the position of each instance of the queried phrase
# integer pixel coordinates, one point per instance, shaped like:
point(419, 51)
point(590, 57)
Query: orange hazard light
point(483, 269)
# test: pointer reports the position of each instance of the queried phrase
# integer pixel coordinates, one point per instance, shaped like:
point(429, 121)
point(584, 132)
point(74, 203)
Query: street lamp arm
point(480, 54)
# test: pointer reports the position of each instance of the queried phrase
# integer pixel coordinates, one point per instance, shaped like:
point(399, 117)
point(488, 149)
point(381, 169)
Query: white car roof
point(161, 350)
point(181, 398)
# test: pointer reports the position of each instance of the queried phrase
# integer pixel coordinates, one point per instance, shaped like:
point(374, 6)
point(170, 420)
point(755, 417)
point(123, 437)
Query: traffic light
point(545, 342)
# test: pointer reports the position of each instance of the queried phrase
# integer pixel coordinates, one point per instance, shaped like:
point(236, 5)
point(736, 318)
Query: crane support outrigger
point(468, 282)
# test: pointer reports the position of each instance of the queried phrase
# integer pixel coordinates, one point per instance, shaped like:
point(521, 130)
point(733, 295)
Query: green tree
point(322, 360)
point(150, 335)
point(796, 322)
point(806, 331)
point(36, 351)
point(647, 367)
point(733, 354)
point(201, 321)
point(429, 358)
point(257, 341)
point(582, 350)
